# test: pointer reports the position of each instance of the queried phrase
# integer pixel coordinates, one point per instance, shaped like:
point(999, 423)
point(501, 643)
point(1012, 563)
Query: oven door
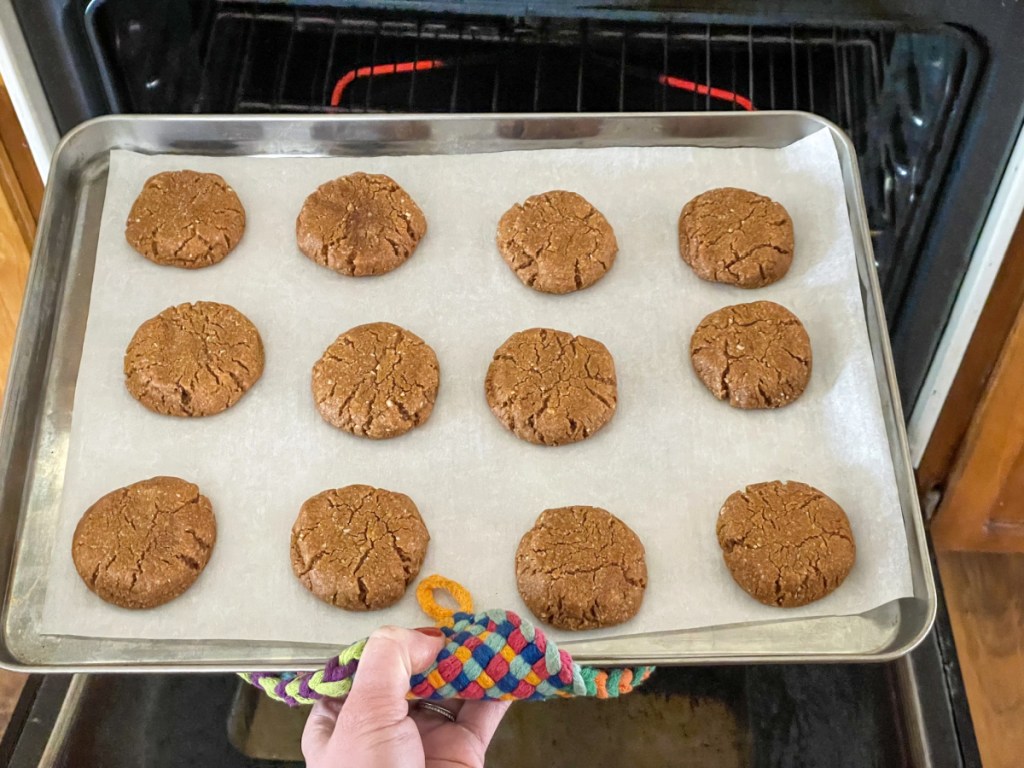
point(846, 716)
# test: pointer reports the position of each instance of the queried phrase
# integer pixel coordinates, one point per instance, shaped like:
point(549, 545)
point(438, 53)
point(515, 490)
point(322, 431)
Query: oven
point(928, 91)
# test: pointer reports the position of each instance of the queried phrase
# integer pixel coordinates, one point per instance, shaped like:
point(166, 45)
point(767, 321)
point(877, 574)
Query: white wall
point(26, 91)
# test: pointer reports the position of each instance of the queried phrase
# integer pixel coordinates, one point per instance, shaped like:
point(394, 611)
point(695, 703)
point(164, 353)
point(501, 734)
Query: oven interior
point(899, 92)
point(840, 716)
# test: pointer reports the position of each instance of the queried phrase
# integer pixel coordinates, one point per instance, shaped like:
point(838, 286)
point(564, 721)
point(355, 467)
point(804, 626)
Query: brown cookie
point(193, 359)
point(785, 544)
point(376, 380)
point(581, 568)
point(754, 355)
point(733, 236)
point(143, 545)
point(185, 219)
point(358, 547)
point(557, 242)
point(549, 387)
point(360, 224)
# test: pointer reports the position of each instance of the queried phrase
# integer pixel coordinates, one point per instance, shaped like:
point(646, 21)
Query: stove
point(928, 90)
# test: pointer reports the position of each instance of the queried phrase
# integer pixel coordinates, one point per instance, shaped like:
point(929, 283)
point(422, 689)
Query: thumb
point(392, 655)
point(319, 728)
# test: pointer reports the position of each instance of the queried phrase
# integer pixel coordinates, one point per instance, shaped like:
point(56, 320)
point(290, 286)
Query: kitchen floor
point(986, 604)
point(986, 608)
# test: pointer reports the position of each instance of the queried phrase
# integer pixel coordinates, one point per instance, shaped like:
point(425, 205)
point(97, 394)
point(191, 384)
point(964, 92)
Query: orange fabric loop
point(433, 609)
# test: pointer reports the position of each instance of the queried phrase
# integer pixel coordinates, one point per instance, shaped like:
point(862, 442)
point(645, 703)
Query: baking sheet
point(665, 463)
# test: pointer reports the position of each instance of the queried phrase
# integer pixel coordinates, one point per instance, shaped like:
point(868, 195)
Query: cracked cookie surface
point(376, 380)
point(193, 359)
point(185, 219)
point(755, 355)
point(581, 568)
point(359, 225)
point(785, 543)
point(550, 388)
point(733, 236)
point(557, 242)
point(145, 544)
point(358, 547)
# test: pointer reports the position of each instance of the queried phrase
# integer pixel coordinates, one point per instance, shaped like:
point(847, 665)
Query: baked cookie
point(376, 380)
point(557, 242)
point(360, 224)
point(733, 236)
point(143, 545)
point(785, 544)
point(358, 547)
point(549, 387)
point(754, 355)
point(185, 219)
point(193, 359)
point(581, 568)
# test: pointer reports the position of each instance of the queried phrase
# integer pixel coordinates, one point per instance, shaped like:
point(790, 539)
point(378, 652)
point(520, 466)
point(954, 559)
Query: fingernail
point(430, 631)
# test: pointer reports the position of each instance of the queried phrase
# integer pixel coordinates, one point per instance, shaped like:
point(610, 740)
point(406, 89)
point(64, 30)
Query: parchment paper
point(665, 463)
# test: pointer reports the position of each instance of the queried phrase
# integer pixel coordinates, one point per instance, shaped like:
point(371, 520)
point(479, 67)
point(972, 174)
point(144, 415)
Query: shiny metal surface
point(37, 415)
point(106, 72)
point(55, 753)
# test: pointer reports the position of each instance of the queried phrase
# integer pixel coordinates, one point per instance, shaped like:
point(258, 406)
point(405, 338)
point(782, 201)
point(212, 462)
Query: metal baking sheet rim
point(34, 429)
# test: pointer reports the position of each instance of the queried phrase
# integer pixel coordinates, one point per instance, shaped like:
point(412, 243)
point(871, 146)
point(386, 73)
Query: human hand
point(377, 726)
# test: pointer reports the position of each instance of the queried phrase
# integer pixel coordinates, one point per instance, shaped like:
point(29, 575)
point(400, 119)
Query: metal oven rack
point(901, 92)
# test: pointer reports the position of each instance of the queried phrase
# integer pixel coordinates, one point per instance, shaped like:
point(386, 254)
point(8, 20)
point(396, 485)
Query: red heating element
point(381, 69)
point(426, 64)
point(701, 90)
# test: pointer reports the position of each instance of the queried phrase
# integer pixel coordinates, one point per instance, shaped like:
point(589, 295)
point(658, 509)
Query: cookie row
point(379, 380)
point(358, 548)
point(365, 224)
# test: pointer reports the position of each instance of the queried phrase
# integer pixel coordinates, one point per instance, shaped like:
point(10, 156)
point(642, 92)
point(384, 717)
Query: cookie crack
point(747, 358)
point(354, 534)
point(377, 380)
point(736, 237)
point(554, 242)
point(545, 386)
point(170, 354)
point(361, 224)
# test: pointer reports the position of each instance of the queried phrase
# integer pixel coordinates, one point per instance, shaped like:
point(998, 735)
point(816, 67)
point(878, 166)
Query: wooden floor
point(14, 260)
point(985, 598)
